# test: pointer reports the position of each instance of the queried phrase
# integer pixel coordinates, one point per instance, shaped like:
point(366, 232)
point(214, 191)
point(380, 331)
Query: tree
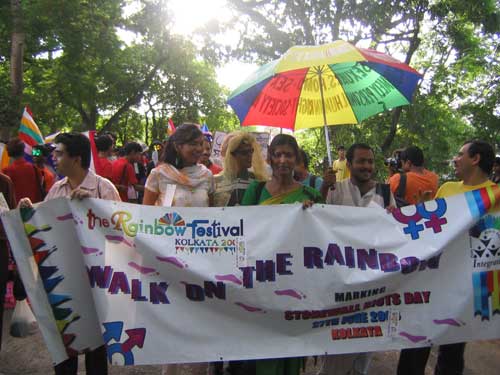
point(442, 38)
point(82, 75)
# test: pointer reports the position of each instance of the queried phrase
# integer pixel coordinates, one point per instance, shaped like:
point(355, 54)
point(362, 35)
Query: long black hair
point(183, 134)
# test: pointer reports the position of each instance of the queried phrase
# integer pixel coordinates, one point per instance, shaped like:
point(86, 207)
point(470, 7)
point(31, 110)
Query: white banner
point(176, 285)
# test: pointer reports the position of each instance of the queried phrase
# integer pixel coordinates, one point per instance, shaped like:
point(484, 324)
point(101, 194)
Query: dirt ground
point(29, 356)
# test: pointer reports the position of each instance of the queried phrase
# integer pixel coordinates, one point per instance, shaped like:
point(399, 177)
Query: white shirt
point(348, 194)
point(97, 186)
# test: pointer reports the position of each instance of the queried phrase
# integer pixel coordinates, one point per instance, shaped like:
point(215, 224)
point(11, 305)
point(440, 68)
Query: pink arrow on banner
point(135, 338)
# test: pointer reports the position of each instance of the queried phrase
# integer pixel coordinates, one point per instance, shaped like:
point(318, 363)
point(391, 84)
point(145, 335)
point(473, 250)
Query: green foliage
point(80, 74)
point(454, 43)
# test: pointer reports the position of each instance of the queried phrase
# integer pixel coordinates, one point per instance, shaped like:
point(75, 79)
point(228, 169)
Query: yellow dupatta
point(295, 195)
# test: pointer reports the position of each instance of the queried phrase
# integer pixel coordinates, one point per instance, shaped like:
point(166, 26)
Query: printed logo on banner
point(195, 236)
point(423, 219)
point(486, 286)
point(112, 336)
point(484, 240)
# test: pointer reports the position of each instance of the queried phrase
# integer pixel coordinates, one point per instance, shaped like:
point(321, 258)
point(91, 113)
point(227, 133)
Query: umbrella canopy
point(331, 84)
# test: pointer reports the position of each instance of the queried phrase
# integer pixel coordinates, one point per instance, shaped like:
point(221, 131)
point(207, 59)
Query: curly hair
point(230, 163)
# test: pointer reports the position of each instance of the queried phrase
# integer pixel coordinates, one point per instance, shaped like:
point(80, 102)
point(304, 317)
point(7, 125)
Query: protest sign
point(176, 285)
point(263, 141)
point(216, 156)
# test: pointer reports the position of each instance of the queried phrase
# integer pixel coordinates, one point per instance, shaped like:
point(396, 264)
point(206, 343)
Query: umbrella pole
point(327, 136)
point(328, 149)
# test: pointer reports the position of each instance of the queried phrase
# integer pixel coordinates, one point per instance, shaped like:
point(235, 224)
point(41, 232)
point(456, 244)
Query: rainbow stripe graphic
point(480, 201)
point(64, 316)
point(486, 284)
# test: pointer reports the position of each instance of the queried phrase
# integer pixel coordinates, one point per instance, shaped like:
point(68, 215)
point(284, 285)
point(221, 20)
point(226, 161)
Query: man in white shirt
point(359, 190)
point(72, 160)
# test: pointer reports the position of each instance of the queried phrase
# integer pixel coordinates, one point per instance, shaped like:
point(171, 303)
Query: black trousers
point(4, 271)
point(450, 360)
point(413, 361)
point(96, 363)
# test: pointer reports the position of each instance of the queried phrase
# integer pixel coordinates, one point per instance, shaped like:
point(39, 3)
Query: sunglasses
point(244, 152)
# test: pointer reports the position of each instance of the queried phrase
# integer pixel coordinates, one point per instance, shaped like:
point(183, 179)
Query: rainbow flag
point(29, 132)
point(482, 200)
point(4, 156)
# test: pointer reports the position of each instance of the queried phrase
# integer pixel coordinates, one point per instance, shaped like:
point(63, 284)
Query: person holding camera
point(393, 164)
point(414, 184)
point(40, 153)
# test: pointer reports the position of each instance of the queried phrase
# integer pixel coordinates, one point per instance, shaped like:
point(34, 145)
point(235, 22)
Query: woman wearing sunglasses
point(242, 154)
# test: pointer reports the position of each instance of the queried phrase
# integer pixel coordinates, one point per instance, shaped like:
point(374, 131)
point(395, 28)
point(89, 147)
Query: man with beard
point(359, 190)
point(473, 165)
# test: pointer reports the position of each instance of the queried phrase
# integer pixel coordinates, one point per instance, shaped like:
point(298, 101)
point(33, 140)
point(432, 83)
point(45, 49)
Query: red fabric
point(277, 104)
point(23, 176)
point(106, 168)
point(48, 178)
point(123, 173)
point(215, 169)
point(94, 153)
point(382, 58)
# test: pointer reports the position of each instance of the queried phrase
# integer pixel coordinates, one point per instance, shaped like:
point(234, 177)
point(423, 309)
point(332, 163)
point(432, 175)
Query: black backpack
point(312, 181)
point(384, 190)
point(399, 195)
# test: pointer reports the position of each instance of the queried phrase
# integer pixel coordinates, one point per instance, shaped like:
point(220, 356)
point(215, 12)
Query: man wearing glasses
point(72, 160)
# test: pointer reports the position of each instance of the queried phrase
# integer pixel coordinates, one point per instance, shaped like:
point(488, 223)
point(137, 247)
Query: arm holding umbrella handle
point(329, 180)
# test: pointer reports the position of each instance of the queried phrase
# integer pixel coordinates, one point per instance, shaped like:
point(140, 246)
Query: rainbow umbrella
point(331, 84)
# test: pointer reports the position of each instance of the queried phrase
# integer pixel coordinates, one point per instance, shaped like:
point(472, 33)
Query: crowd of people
point(180, 173)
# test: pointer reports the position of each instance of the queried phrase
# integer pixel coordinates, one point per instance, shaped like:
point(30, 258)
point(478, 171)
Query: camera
point(36, 151)
point(394, 162)
point(42, 150)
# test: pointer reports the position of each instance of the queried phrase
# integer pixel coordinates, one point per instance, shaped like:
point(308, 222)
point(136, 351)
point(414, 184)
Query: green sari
point(257, 194)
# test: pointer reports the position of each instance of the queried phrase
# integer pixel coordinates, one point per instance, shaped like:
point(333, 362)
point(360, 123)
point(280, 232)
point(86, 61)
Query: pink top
point(98, 187)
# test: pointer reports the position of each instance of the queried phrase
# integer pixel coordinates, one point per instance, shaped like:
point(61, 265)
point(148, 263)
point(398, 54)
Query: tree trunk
point(17, 49)
point(133, 100)
point(12, 114)
point(154, 129)
point(146, 130)
point(414, 44)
